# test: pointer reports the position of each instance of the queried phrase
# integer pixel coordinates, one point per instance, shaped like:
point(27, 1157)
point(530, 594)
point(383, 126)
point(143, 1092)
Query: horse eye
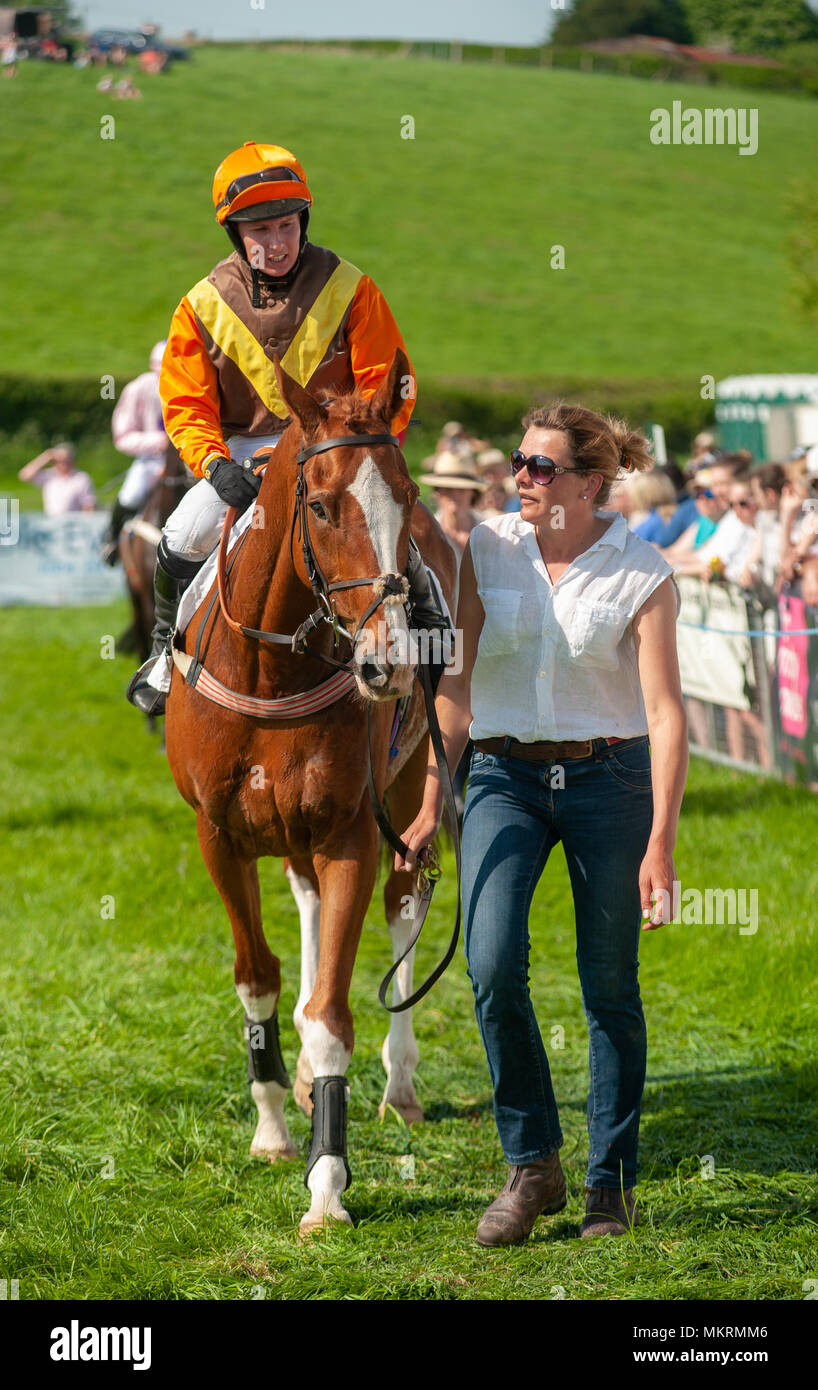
point(320, 510)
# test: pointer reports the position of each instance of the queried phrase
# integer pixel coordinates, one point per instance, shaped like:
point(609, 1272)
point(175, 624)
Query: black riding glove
point(236, 484)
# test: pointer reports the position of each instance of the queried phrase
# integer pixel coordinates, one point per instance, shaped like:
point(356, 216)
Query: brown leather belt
point(545, 752)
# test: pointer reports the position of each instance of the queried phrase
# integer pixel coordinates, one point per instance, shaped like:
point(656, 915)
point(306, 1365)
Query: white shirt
point(65, 492)
point(558, 661)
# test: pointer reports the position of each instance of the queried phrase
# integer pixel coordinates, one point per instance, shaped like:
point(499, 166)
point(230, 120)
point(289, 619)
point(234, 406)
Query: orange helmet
point(259, 181)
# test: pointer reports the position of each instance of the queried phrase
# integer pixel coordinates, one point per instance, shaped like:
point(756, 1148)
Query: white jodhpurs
point(194, 528)
point(139, 480)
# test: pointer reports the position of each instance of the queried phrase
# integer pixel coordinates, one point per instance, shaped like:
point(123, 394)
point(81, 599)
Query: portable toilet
point(769, 415)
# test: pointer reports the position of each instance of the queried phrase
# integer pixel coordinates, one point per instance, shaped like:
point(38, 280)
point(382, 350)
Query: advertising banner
point(54, 561)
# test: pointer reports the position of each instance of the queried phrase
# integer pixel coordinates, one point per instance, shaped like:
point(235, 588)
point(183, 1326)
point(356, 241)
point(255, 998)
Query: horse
point(296, 787)
point(139, 539)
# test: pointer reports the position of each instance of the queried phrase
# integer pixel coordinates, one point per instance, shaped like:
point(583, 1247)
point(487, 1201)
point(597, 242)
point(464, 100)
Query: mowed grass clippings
point(126, 1117)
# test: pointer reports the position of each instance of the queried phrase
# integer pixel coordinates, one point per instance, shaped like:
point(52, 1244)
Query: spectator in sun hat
point(457, 486)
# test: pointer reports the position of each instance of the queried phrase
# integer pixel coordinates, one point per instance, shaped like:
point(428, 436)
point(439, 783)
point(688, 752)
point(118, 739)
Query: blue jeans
point(515, 813)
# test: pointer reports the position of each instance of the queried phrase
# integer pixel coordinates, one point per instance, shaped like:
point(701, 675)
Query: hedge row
point(72, 409)
point(790, 77)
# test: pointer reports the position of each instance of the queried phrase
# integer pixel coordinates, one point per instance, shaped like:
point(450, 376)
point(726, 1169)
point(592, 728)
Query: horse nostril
point(374, 674)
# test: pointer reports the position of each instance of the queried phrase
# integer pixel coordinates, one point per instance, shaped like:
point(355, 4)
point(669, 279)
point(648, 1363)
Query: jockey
point(276, 293)
point(138, 430)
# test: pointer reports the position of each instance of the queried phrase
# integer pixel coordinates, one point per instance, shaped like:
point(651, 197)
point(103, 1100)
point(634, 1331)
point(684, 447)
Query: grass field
point(675, 256)
point(122, 1051)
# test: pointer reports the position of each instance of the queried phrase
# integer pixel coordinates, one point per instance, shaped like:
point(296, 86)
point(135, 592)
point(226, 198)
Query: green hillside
point(675, 256)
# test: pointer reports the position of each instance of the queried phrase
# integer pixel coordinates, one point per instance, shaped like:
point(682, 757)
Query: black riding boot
point(428, 616)
point(110, 540)
point(173, 575)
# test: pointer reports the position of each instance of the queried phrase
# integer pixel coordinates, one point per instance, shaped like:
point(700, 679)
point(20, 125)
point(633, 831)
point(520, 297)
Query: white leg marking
point(400, 1050)
point(257, 1007)
point(327, 1057)
point(326, 1053)
point(272, 1137)
point(309, 913)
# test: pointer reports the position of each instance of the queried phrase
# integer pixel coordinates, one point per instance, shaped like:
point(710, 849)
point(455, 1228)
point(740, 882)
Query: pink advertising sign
point(793, 671)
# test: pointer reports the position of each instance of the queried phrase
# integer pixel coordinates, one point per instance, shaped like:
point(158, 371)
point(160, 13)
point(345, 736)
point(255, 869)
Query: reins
point(386, 586)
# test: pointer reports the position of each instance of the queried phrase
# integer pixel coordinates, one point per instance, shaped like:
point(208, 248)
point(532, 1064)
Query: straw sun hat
point(453, 470)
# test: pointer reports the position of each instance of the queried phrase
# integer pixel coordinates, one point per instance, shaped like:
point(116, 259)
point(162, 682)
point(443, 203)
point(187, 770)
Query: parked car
point(134, 41)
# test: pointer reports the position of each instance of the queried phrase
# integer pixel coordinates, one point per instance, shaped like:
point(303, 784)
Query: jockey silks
point(331, 328)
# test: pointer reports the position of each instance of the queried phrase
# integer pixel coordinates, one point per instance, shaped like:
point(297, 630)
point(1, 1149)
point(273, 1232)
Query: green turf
point(122, 1052)
point(675, 256)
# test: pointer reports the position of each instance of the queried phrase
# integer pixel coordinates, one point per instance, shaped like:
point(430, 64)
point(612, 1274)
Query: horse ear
point(392, 391)
point(301, 405)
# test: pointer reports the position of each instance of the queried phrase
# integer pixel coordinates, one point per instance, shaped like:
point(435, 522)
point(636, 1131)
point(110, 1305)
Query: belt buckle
point(589, 742)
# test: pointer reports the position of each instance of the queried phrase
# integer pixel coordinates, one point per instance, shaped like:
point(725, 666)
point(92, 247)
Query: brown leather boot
point(531, 1190)
point(605, 1214)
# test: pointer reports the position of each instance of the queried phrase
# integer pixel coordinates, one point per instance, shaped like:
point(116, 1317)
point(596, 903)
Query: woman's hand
point(419, 835)
point(656, 878)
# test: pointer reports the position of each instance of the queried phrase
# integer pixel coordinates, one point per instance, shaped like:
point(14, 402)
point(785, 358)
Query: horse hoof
point(315, 1223)
point(410, 1112)
point(273, 1155)
point(302, 1096)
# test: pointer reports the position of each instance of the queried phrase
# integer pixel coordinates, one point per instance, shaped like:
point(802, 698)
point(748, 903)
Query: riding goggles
point(540, 469)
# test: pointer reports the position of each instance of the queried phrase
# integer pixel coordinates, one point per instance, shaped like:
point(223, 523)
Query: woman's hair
point(771, 475)
point(652, 490)
point(599, 443)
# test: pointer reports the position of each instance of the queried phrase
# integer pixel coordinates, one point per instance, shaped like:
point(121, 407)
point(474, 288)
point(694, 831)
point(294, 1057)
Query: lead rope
point(428, 873)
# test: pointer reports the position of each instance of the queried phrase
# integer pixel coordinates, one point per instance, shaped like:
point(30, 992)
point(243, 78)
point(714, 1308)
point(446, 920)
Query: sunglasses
point(541, 470)
point(744, 502)
point(705, 492)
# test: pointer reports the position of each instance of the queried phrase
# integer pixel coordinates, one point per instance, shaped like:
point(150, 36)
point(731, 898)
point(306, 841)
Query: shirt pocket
point(501, 625)
point(595, 631)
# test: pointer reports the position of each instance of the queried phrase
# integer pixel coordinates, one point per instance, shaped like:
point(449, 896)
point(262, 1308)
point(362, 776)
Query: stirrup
point(142, 695)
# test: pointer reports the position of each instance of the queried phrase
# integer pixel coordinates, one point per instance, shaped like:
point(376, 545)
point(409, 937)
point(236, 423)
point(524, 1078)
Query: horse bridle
point(387, 585)
point(394, 586)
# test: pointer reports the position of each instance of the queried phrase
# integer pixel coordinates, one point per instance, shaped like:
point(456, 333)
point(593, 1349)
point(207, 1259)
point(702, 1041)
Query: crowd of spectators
point(726, 517)
point(721, 516)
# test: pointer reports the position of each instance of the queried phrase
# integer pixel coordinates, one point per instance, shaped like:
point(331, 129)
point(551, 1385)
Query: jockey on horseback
point(276, 293)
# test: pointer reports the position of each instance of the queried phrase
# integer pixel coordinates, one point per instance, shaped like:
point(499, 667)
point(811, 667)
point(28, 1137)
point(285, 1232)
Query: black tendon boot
point(110, 540)
point(173, 575)
point(427, 617)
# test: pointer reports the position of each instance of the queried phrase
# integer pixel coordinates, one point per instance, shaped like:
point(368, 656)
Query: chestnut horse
point(296, 787)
